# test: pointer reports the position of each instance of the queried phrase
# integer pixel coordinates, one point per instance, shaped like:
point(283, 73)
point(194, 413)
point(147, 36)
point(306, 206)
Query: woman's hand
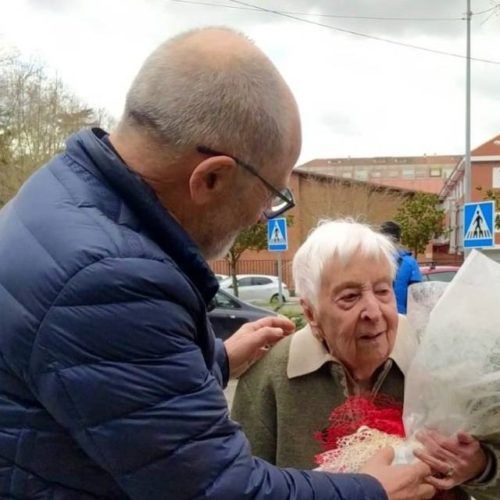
point(454, 460)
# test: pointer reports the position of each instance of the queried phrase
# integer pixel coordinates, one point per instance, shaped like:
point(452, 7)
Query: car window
point(225, 302)
point(258, 280)
point(245, 282)
point(441, 276)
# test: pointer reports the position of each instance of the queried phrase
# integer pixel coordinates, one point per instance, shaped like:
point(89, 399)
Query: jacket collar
point(308, 354)
point(94, 155)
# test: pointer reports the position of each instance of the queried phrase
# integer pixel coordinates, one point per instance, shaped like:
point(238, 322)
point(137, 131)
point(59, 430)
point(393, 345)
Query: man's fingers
point(276, 322)
point(267, 336)
point(251, 341)
point(422, 469)
point(425, 491)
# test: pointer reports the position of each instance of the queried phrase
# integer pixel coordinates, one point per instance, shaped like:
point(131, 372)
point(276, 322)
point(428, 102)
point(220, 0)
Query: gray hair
point(340, 239)
point(185, 96)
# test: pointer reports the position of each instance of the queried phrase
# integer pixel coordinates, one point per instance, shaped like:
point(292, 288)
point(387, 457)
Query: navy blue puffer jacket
point(110, 376)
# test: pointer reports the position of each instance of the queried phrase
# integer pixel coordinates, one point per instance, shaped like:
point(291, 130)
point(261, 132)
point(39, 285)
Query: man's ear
point(212, 179)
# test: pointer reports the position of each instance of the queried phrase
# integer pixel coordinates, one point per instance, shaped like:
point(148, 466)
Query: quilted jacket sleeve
point(221, 367)
point(116, 362)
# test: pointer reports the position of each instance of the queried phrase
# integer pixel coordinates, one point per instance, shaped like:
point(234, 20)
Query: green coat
point(280, 415)
point(289, 395)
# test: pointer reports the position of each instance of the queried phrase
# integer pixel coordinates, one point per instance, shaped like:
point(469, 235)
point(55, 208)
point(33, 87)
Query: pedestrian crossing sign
point(479, 220)
point(277, 239)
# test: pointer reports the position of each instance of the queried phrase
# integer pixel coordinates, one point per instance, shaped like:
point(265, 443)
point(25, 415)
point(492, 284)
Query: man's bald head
point(214, 87)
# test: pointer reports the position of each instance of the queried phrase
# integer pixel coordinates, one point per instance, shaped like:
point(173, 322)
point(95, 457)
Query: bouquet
point(357, 430)
point(453, 382)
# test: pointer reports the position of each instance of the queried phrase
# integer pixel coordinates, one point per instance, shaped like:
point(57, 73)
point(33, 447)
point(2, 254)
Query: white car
point(256, 287)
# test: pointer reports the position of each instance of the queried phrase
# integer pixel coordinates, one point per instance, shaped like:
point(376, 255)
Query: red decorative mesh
point(383, 413)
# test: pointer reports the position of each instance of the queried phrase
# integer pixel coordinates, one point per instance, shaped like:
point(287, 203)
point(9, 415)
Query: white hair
point(337, 239)
point(238, 104)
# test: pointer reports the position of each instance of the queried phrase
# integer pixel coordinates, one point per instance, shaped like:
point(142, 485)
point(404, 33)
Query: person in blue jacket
point(111, 380)
point(408, 271)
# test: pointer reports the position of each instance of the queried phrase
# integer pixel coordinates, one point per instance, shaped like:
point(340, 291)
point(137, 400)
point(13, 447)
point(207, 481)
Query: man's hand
point(252, 340)
point(454, 460)
point(401, 482)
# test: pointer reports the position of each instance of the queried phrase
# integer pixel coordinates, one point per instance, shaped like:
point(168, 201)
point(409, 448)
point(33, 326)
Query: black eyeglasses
point(282, 201)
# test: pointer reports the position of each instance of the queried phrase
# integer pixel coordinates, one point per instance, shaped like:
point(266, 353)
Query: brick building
point(418, 173)
point(485, 176)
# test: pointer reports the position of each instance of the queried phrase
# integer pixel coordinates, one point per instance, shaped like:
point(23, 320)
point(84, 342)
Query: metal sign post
point(280, 280)
point(277, 241)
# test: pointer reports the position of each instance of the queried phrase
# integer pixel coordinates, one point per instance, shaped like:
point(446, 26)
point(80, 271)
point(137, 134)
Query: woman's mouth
point(370, 337)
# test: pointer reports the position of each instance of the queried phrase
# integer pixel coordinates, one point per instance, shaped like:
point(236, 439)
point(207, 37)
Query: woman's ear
point(212, 180)
point(309, 313)
point(311, 317)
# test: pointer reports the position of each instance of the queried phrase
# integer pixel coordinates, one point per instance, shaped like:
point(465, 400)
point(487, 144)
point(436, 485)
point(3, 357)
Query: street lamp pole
point(467, 171)
point(467, 160)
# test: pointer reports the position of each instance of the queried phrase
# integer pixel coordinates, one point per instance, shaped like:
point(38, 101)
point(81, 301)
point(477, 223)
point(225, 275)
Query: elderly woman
point(352, 345)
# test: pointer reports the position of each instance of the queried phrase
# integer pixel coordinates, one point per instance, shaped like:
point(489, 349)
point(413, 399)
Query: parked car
point(221, 277)
point(229, 313)
point(438, 273)
point(257, 287)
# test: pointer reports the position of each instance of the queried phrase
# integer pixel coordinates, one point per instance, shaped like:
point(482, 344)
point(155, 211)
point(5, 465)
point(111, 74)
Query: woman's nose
point(371, 307)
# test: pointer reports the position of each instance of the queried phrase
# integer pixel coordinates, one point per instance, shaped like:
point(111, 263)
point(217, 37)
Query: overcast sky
point(358, 96)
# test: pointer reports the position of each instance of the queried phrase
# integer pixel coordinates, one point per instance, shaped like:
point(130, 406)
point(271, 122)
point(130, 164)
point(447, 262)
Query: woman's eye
point(349, 297)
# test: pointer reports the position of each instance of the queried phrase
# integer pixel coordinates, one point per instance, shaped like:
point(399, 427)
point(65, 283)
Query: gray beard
point(220, 248)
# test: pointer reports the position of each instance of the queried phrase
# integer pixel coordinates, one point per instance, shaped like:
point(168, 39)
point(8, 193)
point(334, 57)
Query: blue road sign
point(277, 238)
point(479, 220)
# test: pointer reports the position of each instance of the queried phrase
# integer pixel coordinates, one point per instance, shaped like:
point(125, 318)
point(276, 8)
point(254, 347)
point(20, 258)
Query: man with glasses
point(280, 201)
point(110, 376)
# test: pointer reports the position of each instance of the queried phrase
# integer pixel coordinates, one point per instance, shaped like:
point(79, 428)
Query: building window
point(435, 172)
point(421, 172)
point(408, 173)
point(393, 173)
point(495, 172)
point(347, 175)
point(361, 174)
point(375, 174)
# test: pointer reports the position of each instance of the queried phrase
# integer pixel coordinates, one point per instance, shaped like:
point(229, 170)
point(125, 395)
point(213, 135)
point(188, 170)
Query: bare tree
point(37, 114)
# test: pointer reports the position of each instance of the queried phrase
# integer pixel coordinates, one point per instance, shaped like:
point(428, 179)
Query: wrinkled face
point(356, 313)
